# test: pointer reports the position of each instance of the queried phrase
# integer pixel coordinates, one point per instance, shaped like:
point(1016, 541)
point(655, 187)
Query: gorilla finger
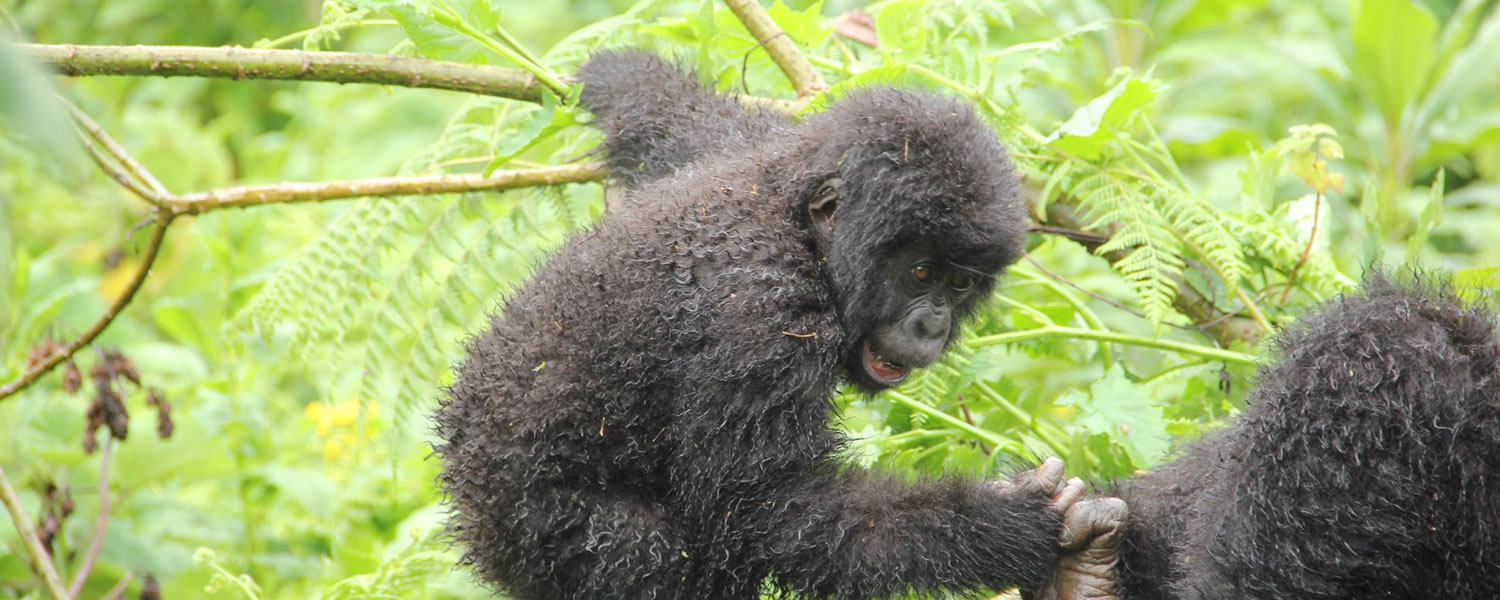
point(1094, 519)
point(1046, 478)
point(1070, 492)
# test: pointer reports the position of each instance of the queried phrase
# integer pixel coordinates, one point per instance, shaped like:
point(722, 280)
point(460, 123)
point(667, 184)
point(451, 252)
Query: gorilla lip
point(882, 369)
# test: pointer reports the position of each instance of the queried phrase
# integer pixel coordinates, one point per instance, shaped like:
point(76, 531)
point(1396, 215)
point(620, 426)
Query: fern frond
point(1153, 263)
point(1203, 226)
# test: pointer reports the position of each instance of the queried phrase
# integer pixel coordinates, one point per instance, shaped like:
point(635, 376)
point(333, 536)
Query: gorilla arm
point(855, 534)
point(657, 119)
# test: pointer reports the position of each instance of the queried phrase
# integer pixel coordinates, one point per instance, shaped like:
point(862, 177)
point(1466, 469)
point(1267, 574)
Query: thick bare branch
point(244, 63)
point(781, 48)
point(286, 193)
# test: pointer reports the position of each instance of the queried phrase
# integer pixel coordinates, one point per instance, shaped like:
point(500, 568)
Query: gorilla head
point(915, 209)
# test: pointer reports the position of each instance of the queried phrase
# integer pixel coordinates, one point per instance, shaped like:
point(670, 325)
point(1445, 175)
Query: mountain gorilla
point(648, 416)
point(1366, 464)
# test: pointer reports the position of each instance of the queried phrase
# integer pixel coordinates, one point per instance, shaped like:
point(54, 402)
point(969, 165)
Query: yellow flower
point(329, 420)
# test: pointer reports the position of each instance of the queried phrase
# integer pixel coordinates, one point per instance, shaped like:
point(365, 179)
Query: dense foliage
point(1203, 172)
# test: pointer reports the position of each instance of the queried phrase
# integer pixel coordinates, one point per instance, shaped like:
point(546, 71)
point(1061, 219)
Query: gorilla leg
point(585, 545)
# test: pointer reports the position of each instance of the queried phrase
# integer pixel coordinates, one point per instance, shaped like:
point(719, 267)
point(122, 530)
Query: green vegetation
point(1200, 172)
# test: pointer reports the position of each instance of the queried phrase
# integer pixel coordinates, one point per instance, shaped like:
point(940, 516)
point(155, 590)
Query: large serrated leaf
point(1122, 410)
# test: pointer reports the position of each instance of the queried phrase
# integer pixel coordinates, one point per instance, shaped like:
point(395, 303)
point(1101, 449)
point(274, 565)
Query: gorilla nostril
point(932, 325)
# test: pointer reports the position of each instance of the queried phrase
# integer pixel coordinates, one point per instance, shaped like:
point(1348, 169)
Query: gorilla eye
point(962, 282)
point(922, 273)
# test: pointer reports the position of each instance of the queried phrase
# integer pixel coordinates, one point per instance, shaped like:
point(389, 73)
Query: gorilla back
point(1364, 466)
point(648, 416)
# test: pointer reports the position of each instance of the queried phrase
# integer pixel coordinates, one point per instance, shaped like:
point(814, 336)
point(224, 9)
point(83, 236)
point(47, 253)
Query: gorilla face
point(914, 210)
point(906, 299)
point(924, 298)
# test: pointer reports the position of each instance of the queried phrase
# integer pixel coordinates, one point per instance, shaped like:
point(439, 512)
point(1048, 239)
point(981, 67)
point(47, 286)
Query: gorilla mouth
point(881, 369)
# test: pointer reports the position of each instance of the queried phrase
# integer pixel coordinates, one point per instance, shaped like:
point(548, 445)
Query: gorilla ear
point(820, 209)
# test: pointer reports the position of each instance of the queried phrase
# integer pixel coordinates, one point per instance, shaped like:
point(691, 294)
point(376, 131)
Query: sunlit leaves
point(1308, 150)
point(1085, 133)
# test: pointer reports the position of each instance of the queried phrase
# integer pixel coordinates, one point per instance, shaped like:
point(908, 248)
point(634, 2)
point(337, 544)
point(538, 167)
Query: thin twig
point(1073, 284)
point(114, 172)
point(75, 60)
point(164, 219)
point(41, 561)
point(93, 129)
point(119, 590)
point(782, 49)
point(101, 522)
point(1291, 279)
point(1086, 237)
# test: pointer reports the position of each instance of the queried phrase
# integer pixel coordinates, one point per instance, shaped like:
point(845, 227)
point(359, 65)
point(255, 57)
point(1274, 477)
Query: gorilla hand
point(1088, 568)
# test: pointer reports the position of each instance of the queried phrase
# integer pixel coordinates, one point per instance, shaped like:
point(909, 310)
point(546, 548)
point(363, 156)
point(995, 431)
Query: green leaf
point(1393, 50)
point(28, 108)
point(1085, 133)
point(896, 26)
point(806, 28)
point(1122, 409)
point(547, 121)
point(433, 40)
point(1432, 214)
point(310, 489)
point(1470, 283)
point(179, 322)
point(20, 272)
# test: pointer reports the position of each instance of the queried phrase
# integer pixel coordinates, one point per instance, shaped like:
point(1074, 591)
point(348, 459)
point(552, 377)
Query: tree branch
point(244, 63)
point(286, 193)
point(163, 219)
point(781, 48)
point(237, 63)
point(41, 561)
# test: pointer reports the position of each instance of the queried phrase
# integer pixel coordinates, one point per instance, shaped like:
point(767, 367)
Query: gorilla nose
point(933, 324)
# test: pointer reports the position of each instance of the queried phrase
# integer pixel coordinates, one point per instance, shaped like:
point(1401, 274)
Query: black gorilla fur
point(648, 417)
point(1360, 467)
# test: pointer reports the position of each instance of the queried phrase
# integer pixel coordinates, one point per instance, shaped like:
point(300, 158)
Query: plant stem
point(955, 422)
point(163, 220)
point(297, 35)
point(101, 523)
point(544, 75)
point(1055, 331)
point(41, 561)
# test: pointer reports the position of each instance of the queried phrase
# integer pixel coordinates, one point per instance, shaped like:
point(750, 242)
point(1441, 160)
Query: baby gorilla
point(648, 416)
